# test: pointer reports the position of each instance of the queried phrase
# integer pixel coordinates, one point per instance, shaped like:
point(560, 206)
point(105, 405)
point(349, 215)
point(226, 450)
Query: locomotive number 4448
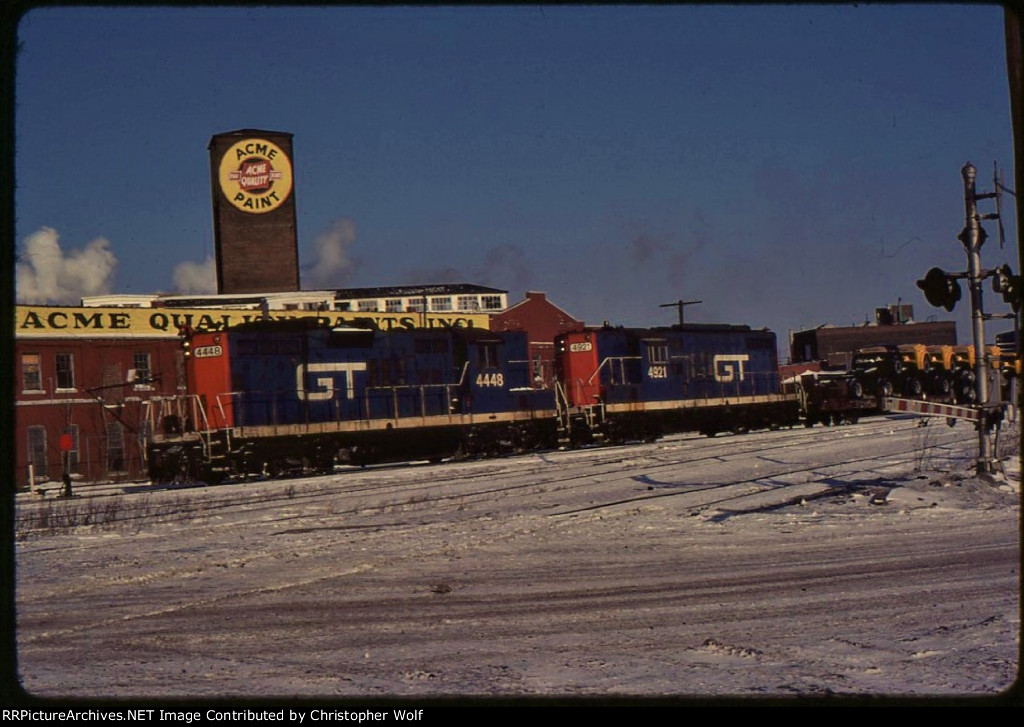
point(490, 380)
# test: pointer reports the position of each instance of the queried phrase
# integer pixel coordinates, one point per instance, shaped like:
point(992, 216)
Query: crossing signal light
point(1005, 282)
point(940, 288)
point(185, 336)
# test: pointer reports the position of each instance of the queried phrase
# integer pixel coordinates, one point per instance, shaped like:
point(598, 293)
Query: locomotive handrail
point(611, 358)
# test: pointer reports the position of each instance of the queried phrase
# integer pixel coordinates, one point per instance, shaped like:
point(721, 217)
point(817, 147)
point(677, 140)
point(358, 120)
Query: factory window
point(367, 306)
point(441, 304)
point(491, 302)
point(143, 372)
point(31, 373)
point(37, 450)
point(469, 302)
point(115, 448)
point(393, 305)
point(416, 305)
point(65, 371)
point(342, 305)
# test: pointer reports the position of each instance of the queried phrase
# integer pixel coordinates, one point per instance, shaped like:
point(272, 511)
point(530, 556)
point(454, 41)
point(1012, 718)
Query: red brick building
point(543, 321)
point(79, 403)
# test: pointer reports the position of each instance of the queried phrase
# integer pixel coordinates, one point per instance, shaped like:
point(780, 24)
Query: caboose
point(270, 397)
point(619, 384)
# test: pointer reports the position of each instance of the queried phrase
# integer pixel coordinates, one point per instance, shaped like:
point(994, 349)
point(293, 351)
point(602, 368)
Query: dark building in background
point(834, 346)
point(254, 226)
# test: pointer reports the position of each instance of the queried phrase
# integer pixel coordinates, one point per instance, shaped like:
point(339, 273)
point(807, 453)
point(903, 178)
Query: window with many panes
point(469, 302)
point(441, 304)
point(393, 305)
point(367, 306)
point(31, 372)
point(141, 364)
point(65, 371)
point(415, 305)
point(491, 302)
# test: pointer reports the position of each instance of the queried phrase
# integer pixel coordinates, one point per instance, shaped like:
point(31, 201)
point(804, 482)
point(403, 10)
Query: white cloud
point(44, 274)
point(195, 278)
point(332, 264)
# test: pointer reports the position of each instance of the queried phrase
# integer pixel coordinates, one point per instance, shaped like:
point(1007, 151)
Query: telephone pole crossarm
point(680, 304)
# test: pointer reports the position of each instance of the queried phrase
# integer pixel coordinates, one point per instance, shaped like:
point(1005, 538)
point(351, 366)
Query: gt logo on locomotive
point(326, 383)
point(729, 367)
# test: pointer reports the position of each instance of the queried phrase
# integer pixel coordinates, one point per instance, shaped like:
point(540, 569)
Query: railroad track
point(477, 485)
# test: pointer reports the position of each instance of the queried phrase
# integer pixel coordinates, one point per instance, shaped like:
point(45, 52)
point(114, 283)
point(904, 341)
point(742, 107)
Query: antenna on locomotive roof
point(680, 304)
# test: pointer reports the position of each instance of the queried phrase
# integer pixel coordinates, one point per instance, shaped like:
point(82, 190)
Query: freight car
point(621, 384)
point(271, 397)
point(938, 374)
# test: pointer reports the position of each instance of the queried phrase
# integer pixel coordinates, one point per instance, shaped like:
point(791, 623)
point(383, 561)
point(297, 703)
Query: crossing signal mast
point(942, 290)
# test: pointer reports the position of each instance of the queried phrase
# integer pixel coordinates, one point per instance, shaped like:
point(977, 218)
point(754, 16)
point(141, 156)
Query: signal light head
point(940, 288)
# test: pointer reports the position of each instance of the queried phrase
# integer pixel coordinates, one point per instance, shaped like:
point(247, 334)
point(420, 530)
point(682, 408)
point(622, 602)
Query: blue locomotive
point(270, 397)
point(627, 383)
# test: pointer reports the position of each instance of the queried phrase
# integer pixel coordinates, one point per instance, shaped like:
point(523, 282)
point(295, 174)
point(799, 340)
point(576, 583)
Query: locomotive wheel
point(913, 387)
point(885, 387)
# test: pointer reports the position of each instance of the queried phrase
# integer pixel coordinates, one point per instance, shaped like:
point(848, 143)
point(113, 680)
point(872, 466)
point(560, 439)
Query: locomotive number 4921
point(490, 380)
point(658, 372)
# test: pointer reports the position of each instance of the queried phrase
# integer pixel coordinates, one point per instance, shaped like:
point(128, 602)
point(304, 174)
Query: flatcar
point(627, 383)
point(271, 397)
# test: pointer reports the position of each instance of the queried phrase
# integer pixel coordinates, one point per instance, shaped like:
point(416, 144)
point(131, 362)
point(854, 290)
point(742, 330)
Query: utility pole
point(679, 304)
point(973, 237)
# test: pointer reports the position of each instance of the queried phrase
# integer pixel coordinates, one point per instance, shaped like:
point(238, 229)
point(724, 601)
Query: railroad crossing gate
point(933, 409)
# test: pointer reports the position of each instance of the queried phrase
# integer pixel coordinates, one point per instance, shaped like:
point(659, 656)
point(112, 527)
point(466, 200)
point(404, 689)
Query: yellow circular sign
point(255, 175)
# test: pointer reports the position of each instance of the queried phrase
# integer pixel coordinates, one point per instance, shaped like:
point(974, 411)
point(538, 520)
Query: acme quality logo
point(255, 176)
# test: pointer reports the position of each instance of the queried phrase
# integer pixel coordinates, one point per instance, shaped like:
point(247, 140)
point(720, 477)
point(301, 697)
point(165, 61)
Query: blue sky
point(789, 166)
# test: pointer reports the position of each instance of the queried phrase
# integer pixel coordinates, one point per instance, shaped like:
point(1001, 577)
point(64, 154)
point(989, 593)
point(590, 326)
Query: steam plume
point(333, 265)
point(196, 278)
point(44, 274)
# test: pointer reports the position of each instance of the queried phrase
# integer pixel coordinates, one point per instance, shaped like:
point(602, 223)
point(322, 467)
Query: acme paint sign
point(255, 176)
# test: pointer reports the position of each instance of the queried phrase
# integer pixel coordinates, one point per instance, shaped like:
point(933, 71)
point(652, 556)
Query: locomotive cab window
point(488, 355)
point(657, 352)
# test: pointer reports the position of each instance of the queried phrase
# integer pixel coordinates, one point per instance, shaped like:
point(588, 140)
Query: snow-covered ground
point(863, 559)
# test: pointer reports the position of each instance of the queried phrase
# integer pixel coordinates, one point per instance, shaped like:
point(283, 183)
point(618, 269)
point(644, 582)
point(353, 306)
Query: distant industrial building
point(834, 346)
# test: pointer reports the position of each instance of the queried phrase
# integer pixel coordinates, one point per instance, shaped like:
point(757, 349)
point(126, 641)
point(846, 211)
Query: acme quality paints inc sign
point(52, 322)
point(255, 175)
